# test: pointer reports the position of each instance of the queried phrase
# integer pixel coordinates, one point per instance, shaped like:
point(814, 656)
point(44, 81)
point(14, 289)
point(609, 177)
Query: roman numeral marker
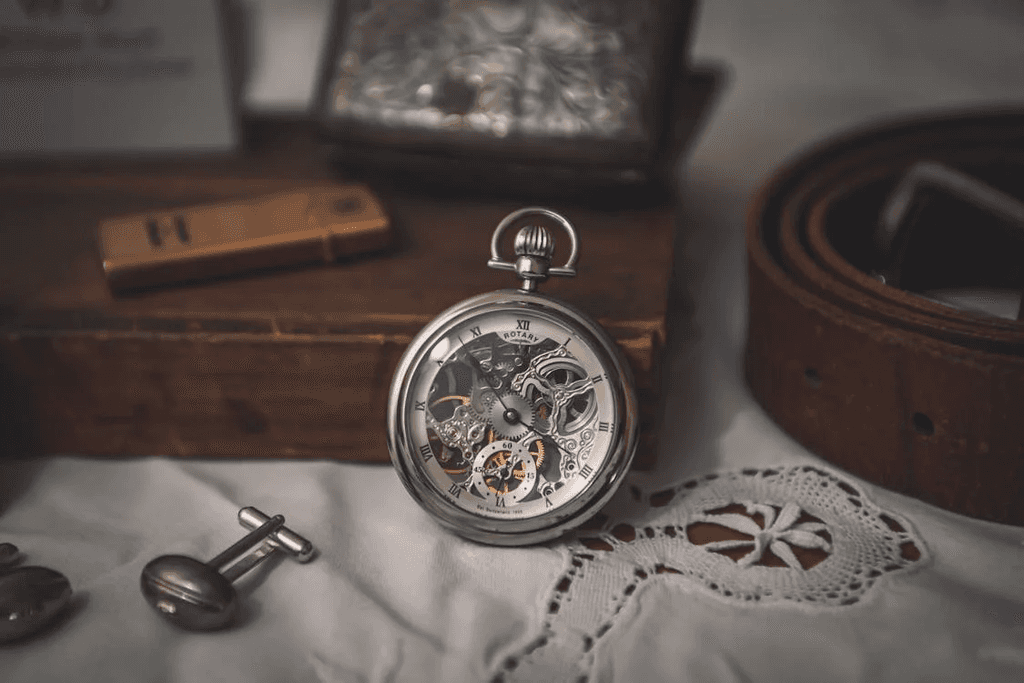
point(426, 452)
point(522, 324)
point(586, 471)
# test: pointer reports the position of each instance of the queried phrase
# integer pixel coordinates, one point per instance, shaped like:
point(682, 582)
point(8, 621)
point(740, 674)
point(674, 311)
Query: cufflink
point(199, 596)
point(31, 598)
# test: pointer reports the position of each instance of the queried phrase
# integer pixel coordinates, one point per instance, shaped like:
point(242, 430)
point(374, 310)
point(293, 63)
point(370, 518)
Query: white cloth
point(392, 597)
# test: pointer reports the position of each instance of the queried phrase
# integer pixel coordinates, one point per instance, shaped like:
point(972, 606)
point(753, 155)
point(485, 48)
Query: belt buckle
point(898, 216)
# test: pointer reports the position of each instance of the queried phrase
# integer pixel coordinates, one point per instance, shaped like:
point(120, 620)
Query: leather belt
point(894, 387)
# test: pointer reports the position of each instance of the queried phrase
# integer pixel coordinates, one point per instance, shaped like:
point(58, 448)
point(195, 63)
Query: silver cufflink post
point(284, 538)
point(198, 596)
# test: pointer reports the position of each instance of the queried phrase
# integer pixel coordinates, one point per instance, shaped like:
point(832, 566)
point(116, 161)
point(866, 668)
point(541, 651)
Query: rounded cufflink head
point(188, 593)
point(31, 598)
point(9, 555)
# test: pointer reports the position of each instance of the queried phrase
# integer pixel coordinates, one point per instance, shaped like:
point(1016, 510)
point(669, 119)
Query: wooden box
point(292, 363)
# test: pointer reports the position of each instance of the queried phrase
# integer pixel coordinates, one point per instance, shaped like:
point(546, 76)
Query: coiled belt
point(892, 386)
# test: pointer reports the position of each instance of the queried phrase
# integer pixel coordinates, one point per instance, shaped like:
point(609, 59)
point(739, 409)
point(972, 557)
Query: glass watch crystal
point(512, 416)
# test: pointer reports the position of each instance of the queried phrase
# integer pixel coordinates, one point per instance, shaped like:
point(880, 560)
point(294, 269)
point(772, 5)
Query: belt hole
point(922, 424)
point(812, 377)
point(182, 227)
point(153, 231)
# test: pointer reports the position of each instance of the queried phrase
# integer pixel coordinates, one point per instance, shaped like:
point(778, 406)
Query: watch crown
point(534, 247)
point(536, 241)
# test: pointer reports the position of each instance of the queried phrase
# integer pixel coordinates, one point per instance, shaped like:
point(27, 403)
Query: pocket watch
point(512, 416)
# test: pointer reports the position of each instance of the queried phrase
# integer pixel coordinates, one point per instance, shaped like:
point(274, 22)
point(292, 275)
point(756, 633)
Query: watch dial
point(511, 414)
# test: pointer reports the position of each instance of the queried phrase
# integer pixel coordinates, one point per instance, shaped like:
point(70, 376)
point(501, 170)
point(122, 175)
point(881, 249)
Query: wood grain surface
point(284, 363)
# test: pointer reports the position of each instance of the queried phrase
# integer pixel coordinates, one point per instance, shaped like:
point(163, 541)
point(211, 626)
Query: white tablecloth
point(391, 597)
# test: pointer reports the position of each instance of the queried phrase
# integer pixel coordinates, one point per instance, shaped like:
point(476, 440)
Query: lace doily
point(799, 535)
